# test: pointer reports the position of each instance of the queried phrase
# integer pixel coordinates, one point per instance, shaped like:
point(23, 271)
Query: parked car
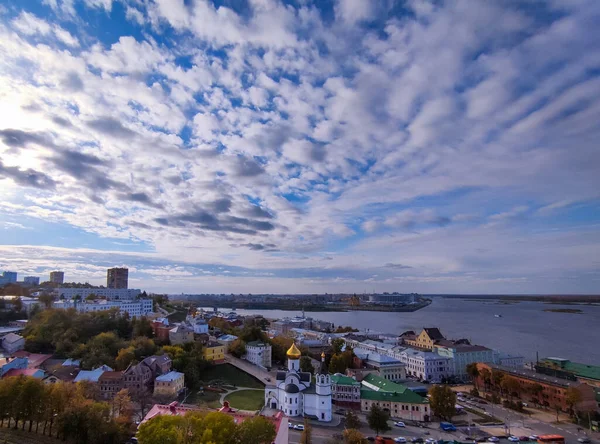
point(430, 441)
point(417, 440)
point(299, 427)
point(400, 439)
point(290, 425)
point(524, 438)
point(584, 440)
point(533, 437)
point(447, 427)
point(399, 424)
point(493, 439)
point(513, 439)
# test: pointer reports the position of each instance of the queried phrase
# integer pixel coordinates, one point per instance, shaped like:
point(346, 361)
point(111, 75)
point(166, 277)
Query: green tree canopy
point(442, 401)
point(378, 420)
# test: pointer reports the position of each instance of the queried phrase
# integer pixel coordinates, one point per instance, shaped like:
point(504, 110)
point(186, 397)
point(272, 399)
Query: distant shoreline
point(548, 299)
point(564, 310)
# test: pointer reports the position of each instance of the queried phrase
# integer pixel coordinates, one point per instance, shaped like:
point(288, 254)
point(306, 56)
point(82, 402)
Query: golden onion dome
point(293, 352)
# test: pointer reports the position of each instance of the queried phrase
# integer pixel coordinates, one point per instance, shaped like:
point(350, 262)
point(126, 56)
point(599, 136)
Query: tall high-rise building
point(117, 277)
point(31, 280)
point(57, 277)
point(8, 277)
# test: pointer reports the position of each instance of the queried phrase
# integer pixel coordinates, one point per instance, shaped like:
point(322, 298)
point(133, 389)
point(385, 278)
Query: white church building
point(296, 395)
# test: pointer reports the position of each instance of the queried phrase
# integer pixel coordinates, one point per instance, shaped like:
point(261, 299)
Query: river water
point(524, 327)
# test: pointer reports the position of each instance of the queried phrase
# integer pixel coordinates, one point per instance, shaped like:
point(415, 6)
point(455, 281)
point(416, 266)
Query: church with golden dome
point(296, 395)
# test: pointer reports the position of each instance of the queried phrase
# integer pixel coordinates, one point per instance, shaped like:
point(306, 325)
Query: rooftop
point(169, 377)
point(11, 338)
point(532, 375)
point(340, 379)
point(434, 333)
point(581, 370)
point(408, 396)
point(212, 344)
point(35, 372)
point(257, 344)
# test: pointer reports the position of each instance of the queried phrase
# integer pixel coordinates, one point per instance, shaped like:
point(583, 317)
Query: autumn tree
point(572, 398)
point(378, 420)
point(237, 348)
point(124, 358)
point(442, 401)
point(352, 420)
point(353, 436)
point(473, 372)
point(510, 386)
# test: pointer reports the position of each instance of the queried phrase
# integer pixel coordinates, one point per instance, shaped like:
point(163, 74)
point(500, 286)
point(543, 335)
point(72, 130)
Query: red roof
point(35, 359)
point(20, 372)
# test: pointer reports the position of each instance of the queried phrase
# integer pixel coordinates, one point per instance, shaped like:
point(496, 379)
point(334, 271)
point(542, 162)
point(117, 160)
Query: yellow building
point(169, 384)
point(426, 339)
point(213, 351)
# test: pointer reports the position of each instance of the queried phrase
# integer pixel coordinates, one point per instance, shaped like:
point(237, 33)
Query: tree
point(536, 390)
point(497, 378)
point(473, 372)
point(352, 420)
point(257, 430)
point(510, 386)
point(279, 347)
point(306, 436)
point(91, 297)
point(47, 299)
point(486, 376)
point(121, 405)
point(125, 357)
point(237, 348)
point(442, 401)
point(306, 364)
point(572, 398)
point(337, 364)
point(378, 420)
point(337, 345)
point(353, 436)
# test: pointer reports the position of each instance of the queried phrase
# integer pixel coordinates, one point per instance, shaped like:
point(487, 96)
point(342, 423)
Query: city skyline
point(303, 147)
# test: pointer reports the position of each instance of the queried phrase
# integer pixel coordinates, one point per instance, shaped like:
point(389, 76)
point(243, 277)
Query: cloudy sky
point(303, 146)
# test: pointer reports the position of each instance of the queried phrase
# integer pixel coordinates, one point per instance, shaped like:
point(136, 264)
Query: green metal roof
point(384, 384)
point(581, 370)
point(340, 379)
point(389, 391)
point(407, 397)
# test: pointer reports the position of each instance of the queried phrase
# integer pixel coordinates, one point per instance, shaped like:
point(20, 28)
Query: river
point(524, 327)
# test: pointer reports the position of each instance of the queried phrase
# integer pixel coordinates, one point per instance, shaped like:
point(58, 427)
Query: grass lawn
point(246, 399)
point(10, 436)
point(231, 375)
point(207, 399)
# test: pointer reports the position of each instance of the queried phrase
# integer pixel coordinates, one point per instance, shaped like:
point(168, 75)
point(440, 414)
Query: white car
point(400, 439)
point(513, 439)
point(534, 437)
point(399, 424)
point(430, 441)
point(290, 425)
point(493, 439)
point(299, 427)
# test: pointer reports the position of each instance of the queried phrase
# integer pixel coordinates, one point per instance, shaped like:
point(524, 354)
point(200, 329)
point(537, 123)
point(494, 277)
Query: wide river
point(524, 327)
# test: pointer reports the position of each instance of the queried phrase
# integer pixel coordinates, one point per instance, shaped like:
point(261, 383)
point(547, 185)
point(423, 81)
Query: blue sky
point(303, 146)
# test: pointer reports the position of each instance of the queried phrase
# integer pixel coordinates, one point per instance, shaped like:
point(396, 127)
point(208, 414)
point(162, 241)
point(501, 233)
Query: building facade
point(214, 351)
point(427, 366)
point(425, 340)
point(112, 294)
point(8, 277)
point(138, 308)
point(110, 383)
point(57, 277)
point(563, 368)
point(12, 343)
point(551, 391)
point(345, 391)
point(296, 395)
point(138, 378)
point(396, 399)
point(170, 384)
point(259, 353)
point(180, 334)
point(31, 280)
point(117, 277)
point(387, 367)
point(463, 355)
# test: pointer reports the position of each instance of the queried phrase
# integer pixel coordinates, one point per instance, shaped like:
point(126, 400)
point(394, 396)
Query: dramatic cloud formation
point(271, 146)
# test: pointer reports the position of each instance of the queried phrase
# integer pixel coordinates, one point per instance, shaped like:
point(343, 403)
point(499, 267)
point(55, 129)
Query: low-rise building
point(160, 328)
point(214, 351)
point(198, 324)
point(396, 399)
point(425, 340)
point(180, 334)
point(158, 364)
point(137, 308)
point(37, 373)
point(508, 360)
point(345, 391)
point(12, 343)
point(387, 367)
point(113, 294)
point(564, 368)
point(552, 391)
point(427, 366)
point(138, 378)
point(92, 375)
point(226, 339)
point(7, 364)
point(462, 354)
point(170, 384)
point(110, 384)
point(259, 353)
